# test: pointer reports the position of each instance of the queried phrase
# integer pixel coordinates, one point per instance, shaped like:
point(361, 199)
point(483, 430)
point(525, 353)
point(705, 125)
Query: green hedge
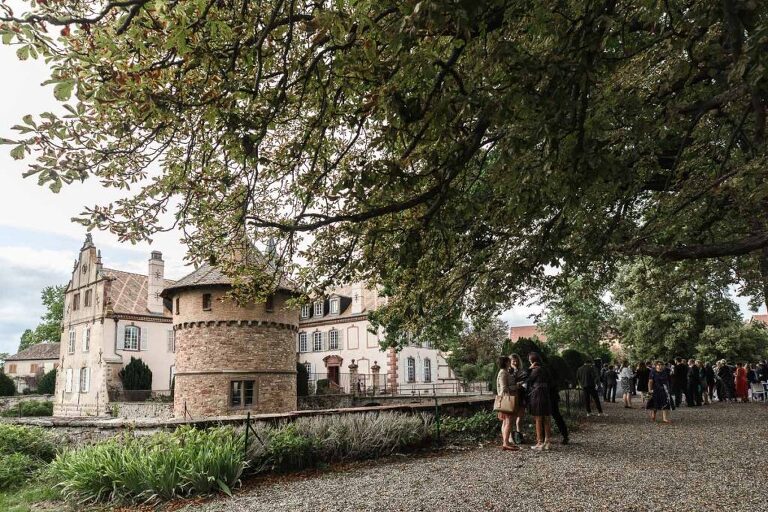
point(30, 408)
point(23, 452)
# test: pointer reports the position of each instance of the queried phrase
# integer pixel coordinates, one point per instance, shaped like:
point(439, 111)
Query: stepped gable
point(37, 351)
point(128, 292)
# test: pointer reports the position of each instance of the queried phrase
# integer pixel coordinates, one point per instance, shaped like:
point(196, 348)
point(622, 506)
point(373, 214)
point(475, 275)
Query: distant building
point(336, 343)
point(26, 367)
point(762, 318)
point(526, 331)
point(110, 316)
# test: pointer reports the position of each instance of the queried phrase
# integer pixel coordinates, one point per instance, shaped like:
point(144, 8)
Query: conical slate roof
point(209, 275)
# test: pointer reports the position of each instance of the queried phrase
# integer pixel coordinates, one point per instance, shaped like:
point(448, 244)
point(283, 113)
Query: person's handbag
point(505, 403)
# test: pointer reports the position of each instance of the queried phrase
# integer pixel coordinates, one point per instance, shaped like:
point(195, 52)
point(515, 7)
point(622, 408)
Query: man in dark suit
point(555, 384)
point(692, 395)
point(587, 377)
point(679, 380)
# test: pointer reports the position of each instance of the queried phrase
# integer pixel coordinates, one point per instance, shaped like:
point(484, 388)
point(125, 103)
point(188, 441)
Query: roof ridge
point(134, 273)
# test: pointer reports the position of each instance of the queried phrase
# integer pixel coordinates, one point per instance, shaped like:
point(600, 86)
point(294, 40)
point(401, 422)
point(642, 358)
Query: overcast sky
point(38, 241)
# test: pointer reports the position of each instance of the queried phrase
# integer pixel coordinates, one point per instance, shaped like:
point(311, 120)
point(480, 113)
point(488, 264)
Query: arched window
point(131, 340)
point(411, 370)
point(427, 370)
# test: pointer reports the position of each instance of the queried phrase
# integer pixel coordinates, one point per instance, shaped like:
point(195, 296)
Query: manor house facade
point(221, 358)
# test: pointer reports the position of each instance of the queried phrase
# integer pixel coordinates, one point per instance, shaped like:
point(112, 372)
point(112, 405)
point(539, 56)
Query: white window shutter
point(87, 380)
point(121, 337)
point(68, 384)
point(144, 339)
point(340, 338)
point(325, 340)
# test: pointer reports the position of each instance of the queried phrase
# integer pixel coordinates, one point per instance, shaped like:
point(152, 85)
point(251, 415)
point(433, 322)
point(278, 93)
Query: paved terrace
point(710, 458)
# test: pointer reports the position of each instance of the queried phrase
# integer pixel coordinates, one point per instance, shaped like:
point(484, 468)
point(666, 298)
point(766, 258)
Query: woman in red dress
point(741, 382)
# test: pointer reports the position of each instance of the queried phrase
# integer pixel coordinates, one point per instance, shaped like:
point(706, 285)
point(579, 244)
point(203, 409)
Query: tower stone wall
point(214, 347)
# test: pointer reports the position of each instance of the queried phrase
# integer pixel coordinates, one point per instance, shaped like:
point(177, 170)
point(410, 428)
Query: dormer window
point(306, 309)
point(335, 306)
point(319, 308)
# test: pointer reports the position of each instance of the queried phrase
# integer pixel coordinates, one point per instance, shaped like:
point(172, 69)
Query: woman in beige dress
point(505, 384)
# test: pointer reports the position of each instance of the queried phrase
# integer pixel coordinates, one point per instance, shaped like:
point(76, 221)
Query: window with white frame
point(319, 308)
point(411, 366)
point(317, 341)
point(335, 306)
point(72, 338)
point(306, 309)
point(308, 366)
point(427, 370)
point(171, 337)
point(131, 339)
point(86, 338)
point(85, 380)
point(333, 339)
point(302, 342)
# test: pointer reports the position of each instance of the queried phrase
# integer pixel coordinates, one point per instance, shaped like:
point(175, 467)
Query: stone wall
point(140, 410)
point(12, 402)
point(212, 354)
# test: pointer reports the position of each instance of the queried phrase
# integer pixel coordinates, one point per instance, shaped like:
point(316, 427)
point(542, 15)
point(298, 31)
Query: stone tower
point(231, 359)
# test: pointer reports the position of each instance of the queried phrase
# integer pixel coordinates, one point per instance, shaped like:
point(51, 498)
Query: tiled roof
point(128, 291)
point(760, 318)
point(526, 331)
point(209, 275)
point(38, 351)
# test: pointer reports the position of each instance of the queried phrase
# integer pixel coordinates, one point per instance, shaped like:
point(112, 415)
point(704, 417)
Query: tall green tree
point(449, 150)
point(666, 309)
point(49, 330)
point(479, 344)
point(578, 318)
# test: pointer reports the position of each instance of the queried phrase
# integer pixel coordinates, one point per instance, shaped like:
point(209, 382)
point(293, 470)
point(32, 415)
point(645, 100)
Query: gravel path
point(703, 461)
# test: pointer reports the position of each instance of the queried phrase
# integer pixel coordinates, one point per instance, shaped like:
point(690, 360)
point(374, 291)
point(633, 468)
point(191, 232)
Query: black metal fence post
point(247, 428)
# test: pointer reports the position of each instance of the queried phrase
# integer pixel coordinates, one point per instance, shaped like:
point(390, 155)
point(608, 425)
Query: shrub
point(32, 441)
point(302, 380)
point(481, 425)
point(524, 346)
point(574, 359)
point(136, 376)
point(15, 469)
point(47, 383)
point(560, 372)
point(324, 387)
point(30, 408)
point(163, 466)
point(288, 450)
point(7, 387)
point(363, 436)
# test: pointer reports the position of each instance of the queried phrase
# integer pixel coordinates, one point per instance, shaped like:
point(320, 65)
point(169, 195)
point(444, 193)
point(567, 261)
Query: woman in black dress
point(541, 408)
point(642, 372)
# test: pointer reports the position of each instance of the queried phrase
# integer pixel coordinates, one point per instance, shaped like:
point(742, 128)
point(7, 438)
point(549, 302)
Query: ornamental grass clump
point(147, 469)
point(23, 452)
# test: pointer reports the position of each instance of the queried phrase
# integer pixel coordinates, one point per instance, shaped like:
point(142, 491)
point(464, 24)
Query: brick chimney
point(156, 283)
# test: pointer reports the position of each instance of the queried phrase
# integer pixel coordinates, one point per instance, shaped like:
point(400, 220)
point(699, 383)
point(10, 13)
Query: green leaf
point(17, 153)
point(63, 90)
point(7, 37)
point(23, 53)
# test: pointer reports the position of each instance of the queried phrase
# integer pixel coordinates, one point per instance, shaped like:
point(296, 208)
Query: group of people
point(661, 386)
point(536, 390)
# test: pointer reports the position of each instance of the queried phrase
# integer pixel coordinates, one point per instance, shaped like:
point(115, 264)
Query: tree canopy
point(449, 150)
point(683, 310)
point(49, 330)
